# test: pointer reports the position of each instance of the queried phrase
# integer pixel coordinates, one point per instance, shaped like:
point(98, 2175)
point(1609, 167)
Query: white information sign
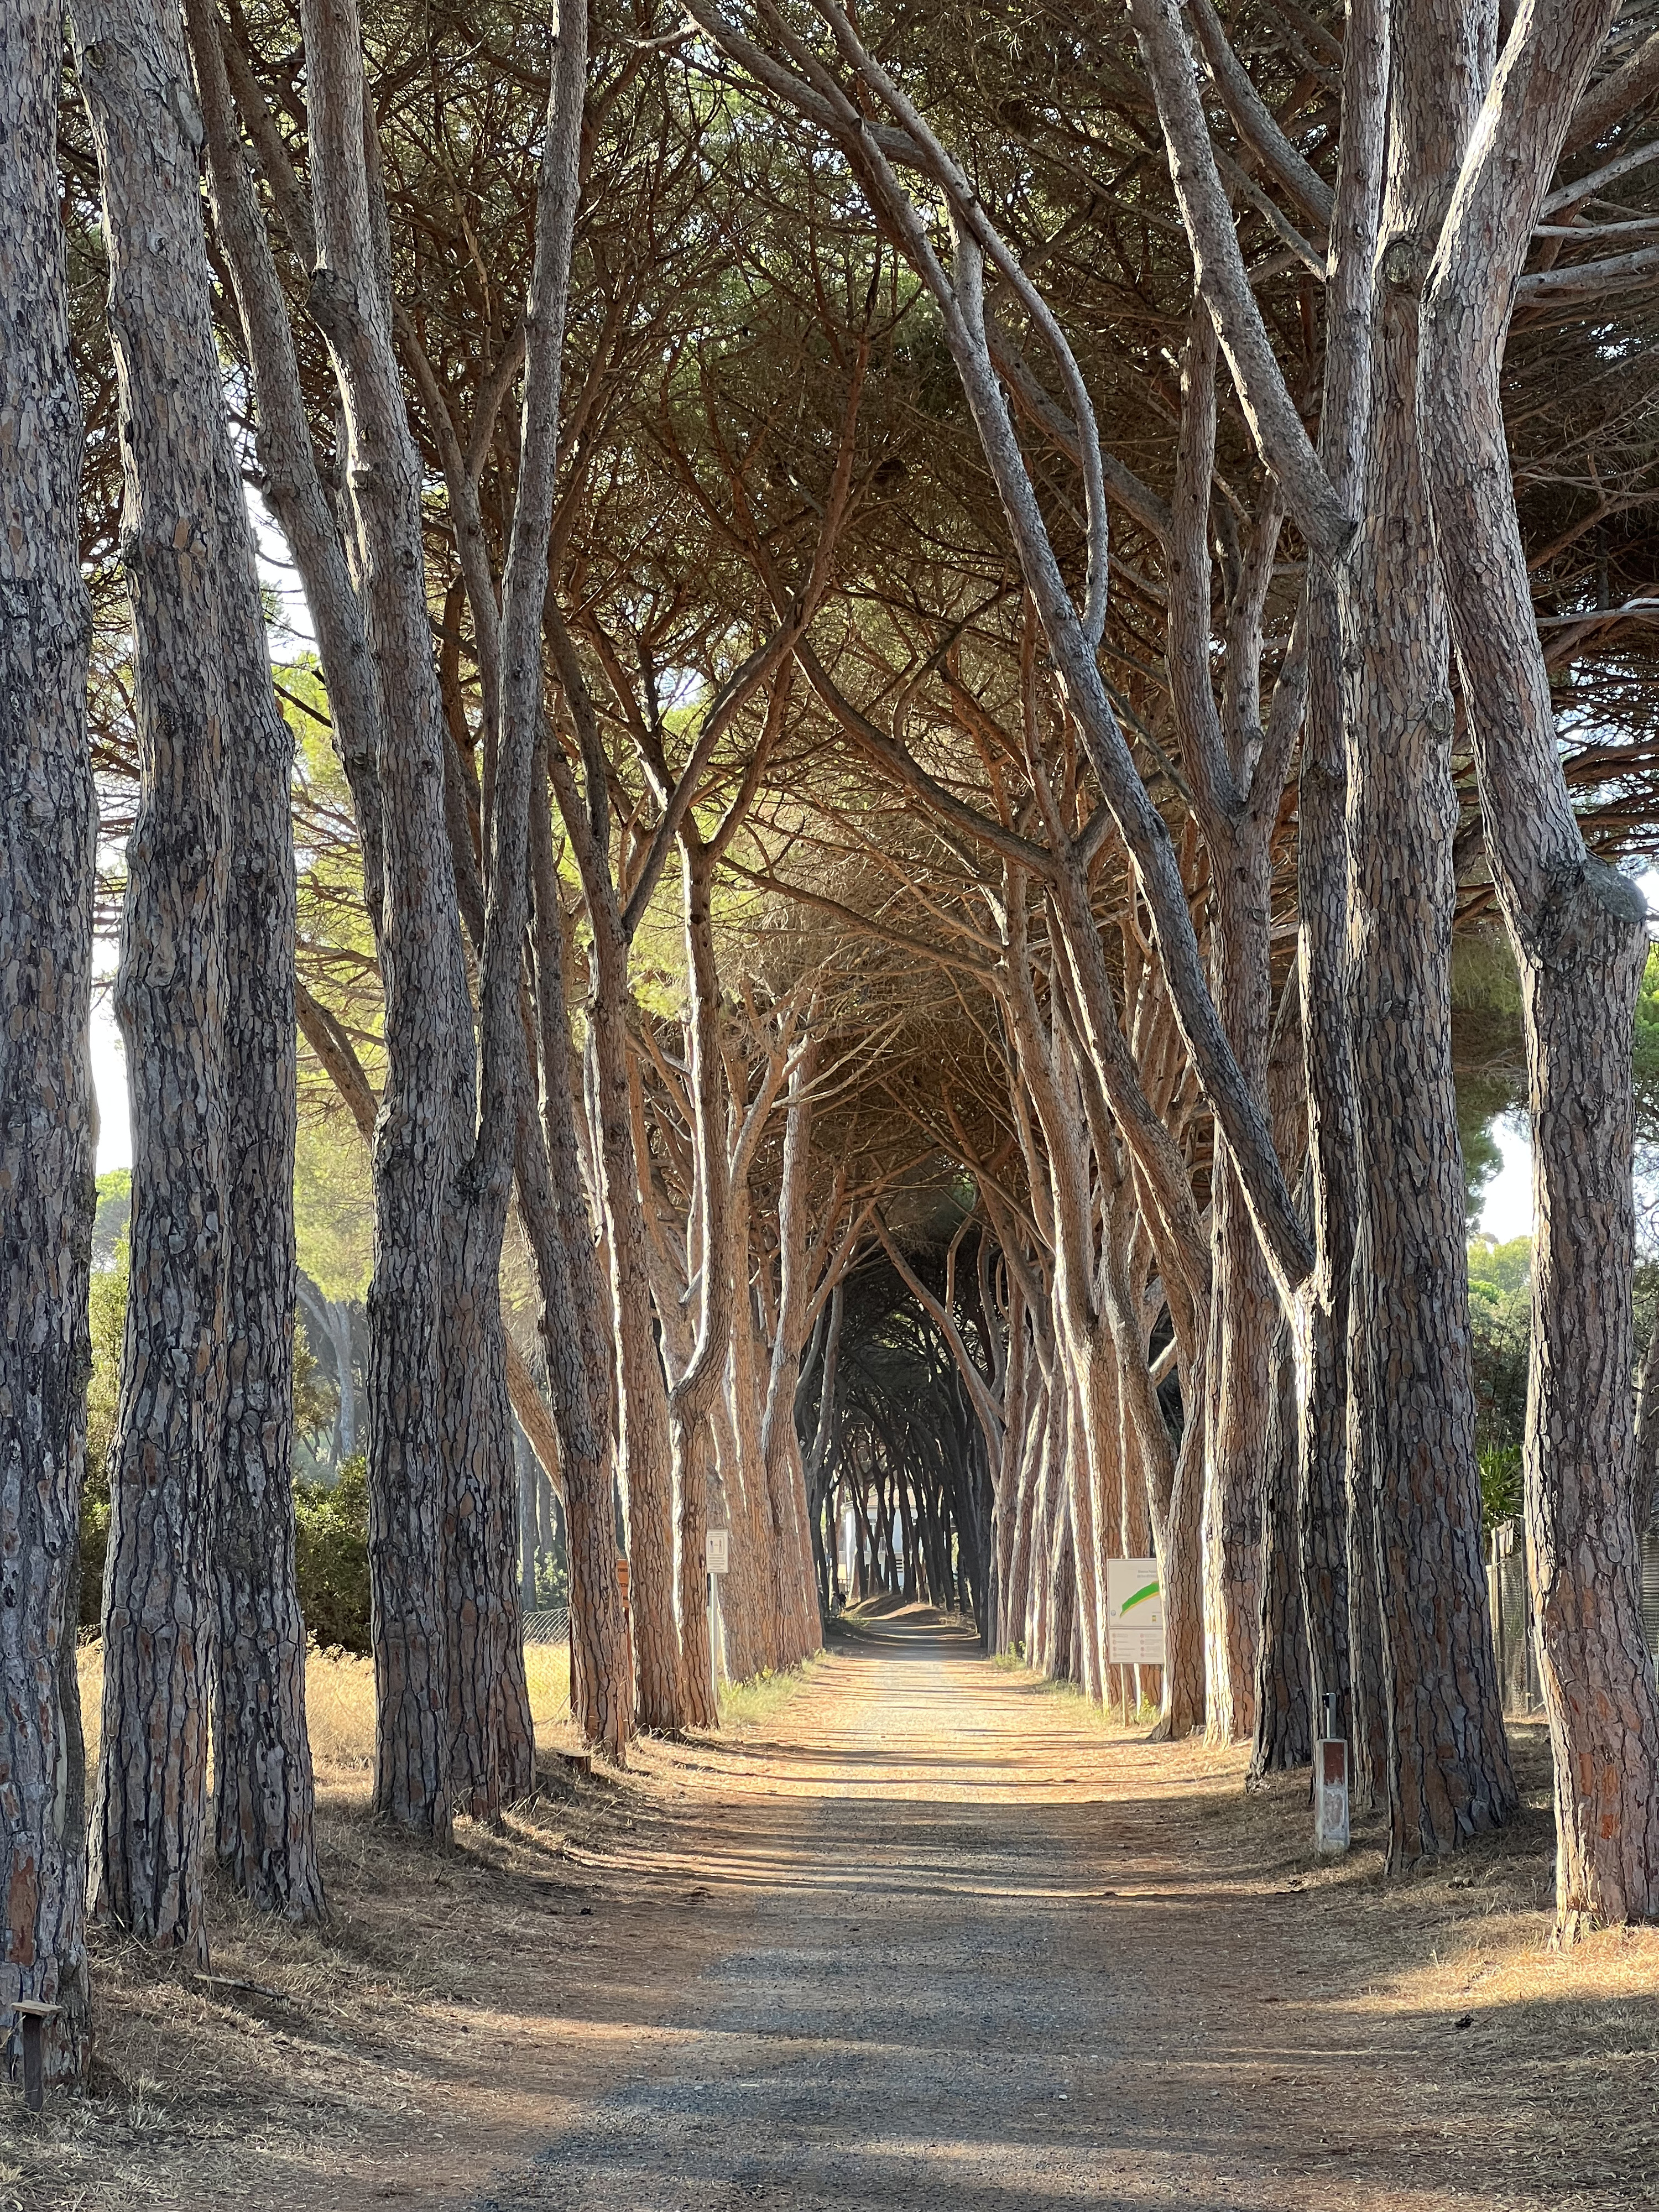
point(1134, 1613)
point(717, 1551)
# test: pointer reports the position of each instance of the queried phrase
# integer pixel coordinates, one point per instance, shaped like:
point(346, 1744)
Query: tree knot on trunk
point(1588, 909)
point(1404, 265)
point(332, 300)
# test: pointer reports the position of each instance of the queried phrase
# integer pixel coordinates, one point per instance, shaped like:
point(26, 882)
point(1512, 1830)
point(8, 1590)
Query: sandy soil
point(932, 1933)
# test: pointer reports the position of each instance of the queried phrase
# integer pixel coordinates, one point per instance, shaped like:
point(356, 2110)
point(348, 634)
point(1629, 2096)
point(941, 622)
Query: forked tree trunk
point(1576, 929)
point(48, 832)
point(159, 1621)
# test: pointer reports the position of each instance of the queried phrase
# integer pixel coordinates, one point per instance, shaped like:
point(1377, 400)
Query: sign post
point(1134, 1613)
point(1331, 1786)
point(717, 1558)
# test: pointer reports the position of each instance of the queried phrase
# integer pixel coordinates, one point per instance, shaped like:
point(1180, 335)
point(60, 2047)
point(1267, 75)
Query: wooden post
point(32, 2017)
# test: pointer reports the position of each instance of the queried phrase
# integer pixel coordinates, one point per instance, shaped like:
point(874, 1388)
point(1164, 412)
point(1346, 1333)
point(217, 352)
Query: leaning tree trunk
point(1575, 926)
point(159, 1622)
point(48, 833)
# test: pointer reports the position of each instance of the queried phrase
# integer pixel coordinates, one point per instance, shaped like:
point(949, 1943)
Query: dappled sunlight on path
point(983, 1954)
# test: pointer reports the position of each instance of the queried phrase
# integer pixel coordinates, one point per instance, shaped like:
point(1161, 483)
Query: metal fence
point(1510, 1601)
point(547, 1628)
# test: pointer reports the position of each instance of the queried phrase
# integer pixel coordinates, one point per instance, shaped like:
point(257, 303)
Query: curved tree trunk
point(48, 831)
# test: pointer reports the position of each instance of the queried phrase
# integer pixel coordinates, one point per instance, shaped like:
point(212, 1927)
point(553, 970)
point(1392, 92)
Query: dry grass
point(340, 1706)
point(764, 1695)
point(224, 2088)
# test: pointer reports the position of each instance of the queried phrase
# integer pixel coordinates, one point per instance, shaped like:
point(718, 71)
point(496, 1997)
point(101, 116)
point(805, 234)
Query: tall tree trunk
point(779, 1445)
point(1285, 1720)
point(648, 1455)
point(1575, 926)
point(574, 1307)
point(263, 1803)
point(427, 1019)
point(1235, 1475)
point(159, 1622)
point(48, 835)
point(1448, 1764)
point(693, 1397)
point(493, 1746)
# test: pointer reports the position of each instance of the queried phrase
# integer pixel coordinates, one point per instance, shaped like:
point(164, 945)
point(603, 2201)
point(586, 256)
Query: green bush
point(1501, 1486)
point(332, 1524)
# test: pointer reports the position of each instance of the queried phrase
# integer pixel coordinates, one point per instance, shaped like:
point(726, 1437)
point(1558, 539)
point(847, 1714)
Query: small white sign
point(1134, 1613)
point(717, 1551)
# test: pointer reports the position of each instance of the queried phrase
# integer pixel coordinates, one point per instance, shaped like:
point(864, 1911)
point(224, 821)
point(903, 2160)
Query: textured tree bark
point(1576, 929)
point(648, 1451)
point(492, 1751)
point(1285, 1720)
point(691, 1400)
point(48, 832)
point(264, 1825)
point(159, 1623)
point(780, 1446)
point(748, 1413)
point(427, 1015)
point(1448, 1764)
point(1235, 1472)
point(574, 1305)
point(1320, 1316)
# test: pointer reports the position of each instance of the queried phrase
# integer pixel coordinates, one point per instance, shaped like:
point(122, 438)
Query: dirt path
point(931, 1936)
point(975, 1954)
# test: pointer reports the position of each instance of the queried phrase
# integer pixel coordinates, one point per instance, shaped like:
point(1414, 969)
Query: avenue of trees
point(974, 683)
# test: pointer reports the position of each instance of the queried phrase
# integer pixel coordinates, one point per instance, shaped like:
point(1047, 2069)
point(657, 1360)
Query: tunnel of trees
point(883, 736)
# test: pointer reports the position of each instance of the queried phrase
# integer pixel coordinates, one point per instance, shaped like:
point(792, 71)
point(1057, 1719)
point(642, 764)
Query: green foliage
point(316, 1400)
point(331, 1559)
point(1487, 1054)
point(764, 1695)
point(1644, 1056)
point(1501, 1487)
point(107, 1315)
point(333, 1206)
point(114, 1213)
point(1500, 1327)
point(552, 1582)
point(341, 1587)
